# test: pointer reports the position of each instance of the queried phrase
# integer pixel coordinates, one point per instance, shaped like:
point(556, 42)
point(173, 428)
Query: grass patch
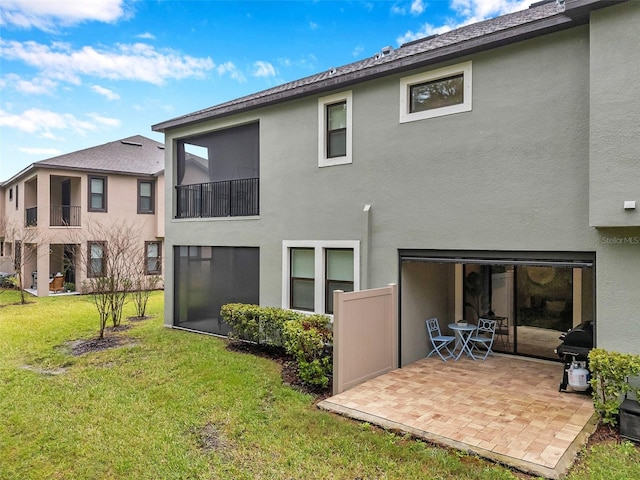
point(175, 405)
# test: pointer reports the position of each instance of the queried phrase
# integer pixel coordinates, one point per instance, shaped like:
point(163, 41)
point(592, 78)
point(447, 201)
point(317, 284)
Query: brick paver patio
point(507, 409)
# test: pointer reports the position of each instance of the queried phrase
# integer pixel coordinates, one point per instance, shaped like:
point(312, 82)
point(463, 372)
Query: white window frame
point(323, 102)
point(320, 247)
point(407, 82)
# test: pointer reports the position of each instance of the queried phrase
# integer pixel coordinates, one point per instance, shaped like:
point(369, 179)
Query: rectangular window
point(97, 194)
point(334, 129)
point(153, 259)
point(444, 92)
point(313, 270)
point(11, 194)
point(302, 279)
point(339, 274)
point(17, 197)
point(96, 264)
point(337, 130)
point(146, 200)
point(1, 247)
point(436, 93)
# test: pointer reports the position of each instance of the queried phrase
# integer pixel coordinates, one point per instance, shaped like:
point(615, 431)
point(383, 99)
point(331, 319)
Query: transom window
point(97, 194)
point(436, 94)
point(444, 91)
point(334, 129)
point(145, 196)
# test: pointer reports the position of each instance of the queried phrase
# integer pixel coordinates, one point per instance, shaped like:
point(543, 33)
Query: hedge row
point(308, 338)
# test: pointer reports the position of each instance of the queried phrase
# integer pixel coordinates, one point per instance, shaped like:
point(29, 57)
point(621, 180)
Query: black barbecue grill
point(575, 347)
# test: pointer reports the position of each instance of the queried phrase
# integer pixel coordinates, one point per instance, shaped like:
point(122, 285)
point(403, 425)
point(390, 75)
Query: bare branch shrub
point(143, 285)
point(109, 256)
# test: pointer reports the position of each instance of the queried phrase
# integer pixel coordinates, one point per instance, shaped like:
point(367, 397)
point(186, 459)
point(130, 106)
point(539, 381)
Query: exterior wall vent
point(126, 142)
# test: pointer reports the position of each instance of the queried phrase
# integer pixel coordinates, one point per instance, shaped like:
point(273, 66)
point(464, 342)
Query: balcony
point(231, 198)
point(65, 216)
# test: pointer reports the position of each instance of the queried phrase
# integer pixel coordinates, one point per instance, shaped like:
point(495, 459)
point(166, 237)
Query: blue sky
point(80, 73)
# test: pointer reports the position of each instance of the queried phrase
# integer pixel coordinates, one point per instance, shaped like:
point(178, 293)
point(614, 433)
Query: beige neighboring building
point(52, 204)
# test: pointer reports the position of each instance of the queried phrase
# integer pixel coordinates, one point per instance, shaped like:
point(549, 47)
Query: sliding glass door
point(532, 304)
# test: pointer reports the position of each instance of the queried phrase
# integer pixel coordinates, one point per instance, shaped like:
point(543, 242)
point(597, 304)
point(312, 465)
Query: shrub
point(261, 325)
point(307, 340)
point(305, 337)
point(610, 380)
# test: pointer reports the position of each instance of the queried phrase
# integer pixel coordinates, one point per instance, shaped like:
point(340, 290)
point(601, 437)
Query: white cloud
point(138, 62)
point(228, 68)
point(45, 122)
point(109, 94)
point(41, 152)
point(263, 69)
point(46, 15)
point(358, 51)
point(106, 121)
point(147, 36)
point(34, 86)
point(417, 7)
point(313, 25)
point(467, 12)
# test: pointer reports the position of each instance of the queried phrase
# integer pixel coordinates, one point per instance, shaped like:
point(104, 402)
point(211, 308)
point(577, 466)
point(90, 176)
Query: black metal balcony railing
point(231, 198)
point(65, 216)
point(32, 217)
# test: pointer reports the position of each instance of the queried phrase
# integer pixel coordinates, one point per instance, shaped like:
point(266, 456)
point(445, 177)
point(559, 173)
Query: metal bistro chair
point(440, 342)
point(484, 335)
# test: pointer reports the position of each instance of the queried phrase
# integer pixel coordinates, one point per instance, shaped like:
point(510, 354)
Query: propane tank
point(578, 376)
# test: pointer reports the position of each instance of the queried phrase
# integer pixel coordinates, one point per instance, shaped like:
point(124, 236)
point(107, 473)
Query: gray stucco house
point(493, 169)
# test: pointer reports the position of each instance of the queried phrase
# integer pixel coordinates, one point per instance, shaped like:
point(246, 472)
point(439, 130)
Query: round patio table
point(463, 334)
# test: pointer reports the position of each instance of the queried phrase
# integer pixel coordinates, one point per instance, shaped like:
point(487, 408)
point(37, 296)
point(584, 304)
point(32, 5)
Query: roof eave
point(467, 47)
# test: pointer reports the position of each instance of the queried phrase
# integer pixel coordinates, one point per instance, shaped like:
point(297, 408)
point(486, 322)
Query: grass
point(176, 405)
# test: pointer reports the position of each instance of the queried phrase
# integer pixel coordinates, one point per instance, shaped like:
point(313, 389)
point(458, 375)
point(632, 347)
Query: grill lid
point(579, 336)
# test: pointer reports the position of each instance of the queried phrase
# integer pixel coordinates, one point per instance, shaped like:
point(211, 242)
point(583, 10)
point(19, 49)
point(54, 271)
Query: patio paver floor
point(507, 409)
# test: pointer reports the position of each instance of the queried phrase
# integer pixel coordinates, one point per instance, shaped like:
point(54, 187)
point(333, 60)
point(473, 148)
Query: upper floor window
point(436, 93)
point(313, 270)
point(334, 129)
point(97, 194)
point(153, 264)
point(146, 200)
point(11, 194)
point(96, 265)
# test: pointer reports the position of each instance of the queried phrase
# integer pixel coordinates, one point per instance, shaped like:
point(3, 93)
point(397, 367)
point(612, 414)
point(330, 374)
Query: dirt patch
point(44, 371)
point(139, 319)
point(210, 439)
point(287, 364)
point(81, 347)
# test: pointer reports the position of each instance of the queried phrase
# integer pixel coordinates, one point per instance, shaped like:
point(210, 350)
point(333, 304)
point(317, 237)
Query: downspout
point(364, 248)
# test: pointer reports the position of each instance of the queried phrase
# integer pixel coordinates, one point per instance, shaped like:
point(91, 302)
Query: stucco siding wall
point(615, 115)
point(512, 174)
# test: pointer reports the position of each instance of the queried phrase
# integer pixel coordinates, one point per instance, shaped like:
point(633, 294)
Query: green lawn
point(176, 405)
